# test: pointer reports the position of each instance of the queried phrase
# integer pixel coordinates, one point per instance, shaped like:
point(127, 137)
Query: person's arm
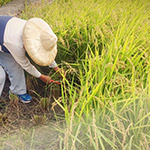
point(58, 70)
point(46, 78)
point(20, 57)
point(53, 64)
point(18, 54)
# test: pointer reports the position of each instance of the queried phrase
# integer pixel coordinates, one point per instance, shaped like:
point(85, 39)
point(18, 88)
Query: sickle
point(55, 82)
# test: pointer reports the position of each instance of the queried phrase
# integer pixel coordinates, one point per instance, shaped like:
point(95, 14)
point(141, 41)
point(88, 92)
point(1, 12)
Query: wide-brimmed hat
point(39, 41)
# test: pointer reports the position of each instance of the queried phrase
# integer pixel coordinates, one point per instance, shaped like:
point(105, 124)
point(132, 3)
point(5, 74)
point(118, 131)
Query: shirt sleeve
point(18, 54)
point(53, 64)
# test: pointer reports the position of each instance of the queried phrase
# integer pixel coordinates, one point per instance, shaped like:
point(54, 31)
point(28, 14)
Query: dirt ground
point(15, 7)
point(33, 125)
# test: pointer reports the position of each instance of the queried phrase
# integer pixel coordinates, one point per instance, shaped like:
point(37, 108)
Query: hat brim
point(32, 42)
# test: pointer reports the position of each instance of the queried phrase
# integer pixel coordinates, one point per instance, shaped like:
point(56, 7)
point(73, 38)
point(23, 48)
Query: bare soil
point(15, 7)
point(15, 114)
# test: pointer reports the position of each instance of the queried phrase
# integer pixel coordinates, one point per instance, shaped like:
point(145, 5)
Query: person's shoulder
point(18, 20)
point(19, 49)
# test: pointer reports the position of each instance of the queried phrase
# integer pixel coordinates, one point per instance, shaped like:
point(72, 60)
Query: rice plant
point(45, 104)
point(39, 120)
point(107, 43)
point(115, 127)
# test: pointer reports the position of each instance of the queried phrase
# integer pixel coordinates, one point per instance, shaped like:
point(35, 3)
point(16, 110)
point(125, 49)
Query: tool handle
point(55, 82)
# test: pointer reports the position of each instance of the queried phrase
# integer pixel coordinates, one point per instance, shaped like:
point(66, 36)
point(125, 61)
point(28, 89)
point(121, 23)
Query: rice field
point(104, 47)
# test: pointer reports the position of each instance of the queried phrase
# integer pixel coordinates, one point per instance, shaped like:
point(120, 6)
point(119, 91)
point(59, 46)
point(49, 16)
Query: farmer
point(18, 36)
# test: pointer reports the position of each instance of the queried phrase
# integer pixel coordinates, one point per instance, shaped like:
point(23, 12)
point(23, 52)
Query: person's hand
point(60, 71)
point(47, 79)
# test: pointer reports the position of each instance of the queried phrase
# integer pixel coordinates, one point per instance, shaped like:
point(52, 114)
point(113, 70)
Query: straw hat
point(39, 41)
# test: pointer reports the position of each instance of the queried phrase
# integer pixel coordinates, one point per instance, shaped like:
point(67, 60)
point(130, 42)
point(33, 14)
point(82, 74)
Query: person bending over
point(18, 36)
